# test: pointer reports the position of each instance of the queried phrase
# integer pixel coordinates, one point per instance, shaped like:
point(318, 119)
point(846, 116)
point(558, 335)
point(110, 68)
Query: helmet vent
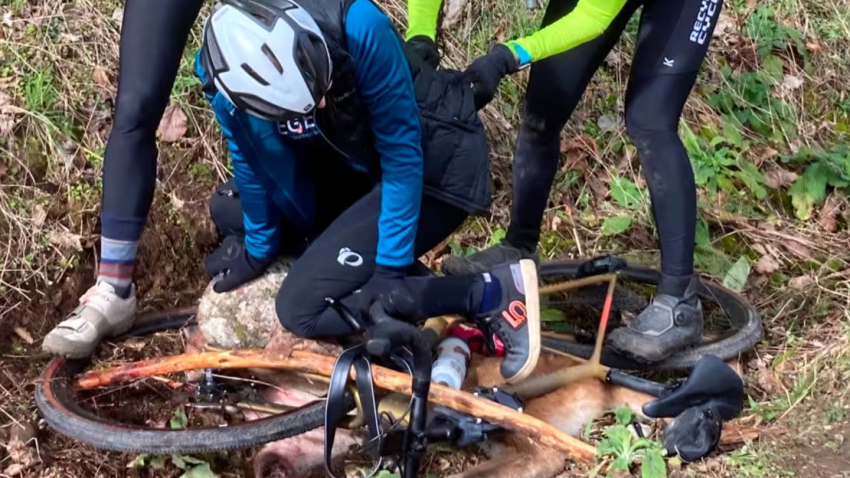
point(254, 74)
point(272, 58)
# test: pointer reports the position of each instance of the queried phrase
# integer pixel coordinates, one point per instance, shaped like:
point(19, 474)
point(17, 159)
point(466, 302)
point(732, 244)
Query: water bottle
point(450, 367)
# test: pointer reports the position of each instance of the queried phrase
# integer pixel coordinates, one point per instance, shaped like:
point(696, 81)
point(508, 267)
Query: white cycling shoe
point(101, 313)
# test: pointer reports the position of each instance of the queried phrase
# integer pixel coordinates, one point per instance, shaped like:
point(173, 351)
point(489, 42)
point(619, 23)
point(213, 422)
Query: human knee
point(640, 123)
point(134, 110)
point(539, 123)
point(289, 315)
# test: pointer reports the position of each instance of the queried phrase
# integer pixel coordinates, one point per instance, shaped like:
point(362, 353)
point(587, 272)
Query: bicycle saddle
point(711, 383)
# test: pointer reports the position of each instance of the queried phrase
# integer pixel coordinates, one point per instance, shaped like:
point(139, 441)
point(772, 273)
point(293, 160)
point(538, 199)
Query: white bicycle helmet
point(268, 57)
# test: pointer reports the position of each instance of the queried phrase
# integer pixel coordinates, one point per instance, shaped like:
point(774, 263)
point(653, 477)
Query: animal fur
point(568, 409)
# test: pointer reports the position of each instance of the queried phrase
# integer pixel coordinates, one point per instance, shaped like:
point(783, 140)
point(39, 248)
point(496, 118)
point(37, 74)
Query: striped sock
point(117, 259)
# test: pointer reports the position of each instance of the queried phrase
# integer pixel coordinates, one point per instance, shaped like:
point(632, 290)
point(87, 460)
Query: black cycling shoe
point(667, 326)
point(516, 321)
point(486, 259)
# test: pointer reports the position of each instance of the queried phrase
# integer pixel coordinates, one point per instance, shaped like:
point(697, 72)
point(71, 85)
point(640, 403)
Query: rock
point(245, 317)
point(606, 123)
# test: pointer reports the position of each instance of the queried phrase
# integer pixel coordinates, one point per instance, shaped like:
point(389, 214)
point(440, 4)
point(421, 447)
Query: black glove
point(426, 49)
point(232, 260)
point(695, 433)
point(387, 285)
point(487, 71)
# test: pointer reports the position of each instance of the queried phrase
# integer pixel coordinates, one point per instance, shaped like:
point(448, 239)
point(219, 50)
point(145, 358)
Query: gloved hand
point(487, 71)
point(387, 285)
point(233, 260)
point(426, 49)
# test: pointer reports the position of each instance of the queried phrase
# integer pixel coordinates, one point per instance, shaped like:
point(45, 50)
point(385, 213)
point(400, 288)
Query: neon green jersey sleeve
point(422, 18)
point(587, 21)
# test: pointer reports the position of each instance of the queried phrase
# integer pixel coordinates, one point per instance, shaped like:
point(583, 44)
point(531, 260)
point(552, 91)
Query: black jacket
point(454, 142)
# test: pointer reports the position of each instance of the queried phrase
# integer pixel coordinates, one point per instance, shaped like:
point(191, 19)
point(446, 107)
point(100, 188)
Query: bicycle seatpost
point(386, 334)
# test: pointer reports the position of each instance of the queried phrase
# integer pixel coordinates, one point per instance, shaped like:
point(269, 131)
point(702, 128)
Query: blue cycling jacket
point(274, 181)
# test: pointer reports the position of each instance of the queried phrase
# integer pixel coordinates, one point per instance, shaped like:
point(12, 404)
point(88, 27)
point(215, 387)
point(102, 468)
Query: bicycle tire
point(746, 322)
point(54, 398)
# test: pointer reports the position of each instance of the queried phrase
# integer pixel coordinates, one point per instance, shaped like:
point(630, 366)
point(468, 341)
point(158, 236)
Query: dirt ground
point(766, 128)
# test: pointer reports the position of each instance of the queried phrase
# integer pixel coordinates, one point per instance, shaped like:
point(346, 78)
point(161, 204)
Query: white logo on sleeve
point(347, 257)
point(703, 22)
point(668, 62)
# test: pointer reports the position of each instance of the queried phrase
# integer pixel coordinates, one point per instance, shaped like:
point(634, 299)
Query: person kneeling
point(334, 164)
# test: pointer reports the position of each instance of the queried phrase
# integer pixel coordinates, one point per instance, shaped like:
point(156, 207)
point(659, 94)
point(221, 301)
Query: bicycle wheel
point(743, 329)
point(58, 402)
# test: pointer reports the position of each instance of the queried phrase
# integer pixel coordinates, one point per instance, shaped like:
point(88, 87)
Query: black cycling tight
point(672, 43)
point(153, 37)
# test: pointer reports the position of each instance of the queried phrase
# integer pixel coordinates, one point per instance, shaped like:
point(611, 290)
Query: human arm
point(239, 260)
point(585, 22)
point(588, 20)
point(422, 16)
point(386, 87)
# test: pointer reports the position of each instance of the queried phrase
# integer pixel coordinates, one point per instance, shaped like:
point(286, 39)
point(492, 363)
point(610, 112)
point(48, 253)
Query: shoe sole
point(532, 309)
point(628, 354)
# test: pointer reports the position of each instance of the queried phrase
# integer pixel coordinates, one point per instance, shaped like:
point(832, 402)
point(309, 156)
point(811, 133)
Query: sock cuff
point(116, 253)
point(122, 228)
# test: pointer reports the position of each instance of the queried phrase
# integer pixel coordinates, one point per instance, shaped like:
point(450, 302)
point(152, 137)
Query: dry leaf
point(499, 33)
point(830, 209)
point(791, 83)
point(766, 379)
point(118, 15)
point(24, 335)
point(72, 11)
point(797, 249)
point(779, 178)
point(101, 79)
point(7, 124)
point(814, 47)
point(173, 125)
point(767, 264)
point(613, 58)
point(5, 100)
point(66, 240)
point(801, 282)
point(768, 153)
point(14, 469)
point(70, 38)
point(598, 187)
point(38, 215)
point(176, 201)
point(452, 9)
point(556, 222)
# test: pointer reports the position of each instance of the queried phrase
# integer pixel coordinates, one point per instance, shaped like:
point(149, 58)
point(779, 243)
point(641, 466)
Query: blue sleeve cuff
point(522, 54)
